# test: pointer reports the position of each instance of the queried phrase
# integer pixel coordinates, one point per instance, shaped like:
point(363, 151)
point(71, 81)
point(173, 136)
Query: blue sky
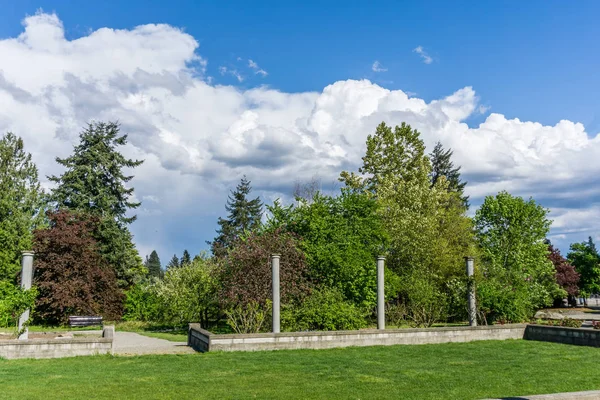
point(533, 61)
point(536, 60)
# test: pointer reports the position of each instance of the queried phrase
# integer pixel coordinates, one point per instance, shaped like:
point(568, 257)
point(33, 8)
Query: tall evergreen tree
point(186, 259)
point(174, 263)
point(153, 265)
point(442, 165)
point(20, 204)
point(94, 182)
point(244, 216)
point(584, 256)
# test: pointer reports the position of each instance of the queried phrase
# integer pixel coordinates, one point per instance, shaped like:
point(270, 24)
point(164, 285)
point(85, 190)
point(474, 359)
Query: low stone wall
point(560, 334)
point(202, 340)
point(57, 348)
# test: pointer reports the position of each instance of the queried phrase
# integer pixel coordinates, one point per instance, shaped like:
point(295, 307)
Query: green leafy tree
point(244, 216)
point(584, 256)
point(520, 278)
point(189, 294)
point(341, 238)
point(427, 225)
point(153, 265)
point(186, 258)
point(21, 204)
point(442, 165)
point(174, 263)
point(95, 182)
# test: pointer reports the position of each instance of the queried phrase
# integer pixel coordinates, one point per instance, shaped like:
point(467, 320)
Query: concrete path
point(130, 343)
point(590, 395)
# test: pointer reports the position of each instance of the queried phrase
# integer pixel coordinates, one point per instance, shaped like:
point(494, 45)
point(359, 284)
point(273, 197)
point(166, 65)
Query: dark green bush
point(323, 310)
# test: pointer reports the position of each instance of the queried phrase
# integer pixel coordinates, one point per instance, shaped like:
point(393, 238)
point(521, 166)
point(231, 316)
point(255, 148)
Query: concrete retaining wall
point(57, 348)
point(202, 340)
point(559, 334)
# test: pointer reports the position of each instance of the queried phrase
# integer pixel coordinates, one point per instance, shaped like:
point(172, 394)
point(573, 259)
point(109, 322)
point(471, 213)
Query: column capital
point(28, 253)
point(275, 255)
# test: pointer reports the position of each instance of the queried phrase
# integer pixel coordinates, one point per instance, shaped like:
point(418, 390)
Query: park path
point(130, 343)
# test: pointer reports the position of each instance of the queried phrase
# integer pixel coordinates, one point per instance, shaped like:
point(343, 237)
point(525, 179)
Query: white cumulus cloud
point(198, 139)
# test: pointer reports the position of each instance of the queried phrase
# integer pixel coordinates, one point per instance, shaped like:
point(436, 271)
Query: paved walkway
point(591, 395)
point(130, 343)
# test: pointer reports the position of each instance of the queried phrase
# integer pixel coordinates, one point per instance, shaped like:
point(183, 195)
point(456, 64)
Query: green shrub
point(13, 302)
point(502, 302)
point(249, 318)
point(324, 310)
point(571, 323)
point(141, 304)
point(395, 314)
point(425, 303)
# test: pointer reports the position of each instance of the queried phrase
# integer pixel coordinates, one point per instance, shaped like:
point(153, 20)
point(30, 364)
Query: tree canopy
point(153, 265)
point(71, 276)
point(584, 256)
point(244, 216)
point(442, 166)
point(21, 204)
point(94, 182)
point(511, 232)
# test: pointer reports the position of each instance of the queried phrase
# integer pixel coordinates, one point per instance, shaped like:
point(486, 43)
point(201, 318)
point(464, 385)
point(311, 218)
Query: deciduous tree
point(584, 256)
point(566, 276)
point(341, 237)
point(511, 232)
point(70, 274)
point(246, 270)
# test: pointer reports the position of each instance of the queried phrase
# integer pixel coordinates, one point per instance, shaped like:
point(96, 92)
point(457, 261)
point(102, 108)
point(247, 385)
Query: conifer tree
point(174, 263)
point(153, 265)
point(94, 182)
point(442, 165)
point(244, 216)
point(185, 259)
point(20, 204)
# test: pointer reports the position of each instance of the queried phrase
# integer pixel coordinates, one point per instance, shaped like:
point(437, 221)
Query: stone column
point(276, 298)
point(380, 293)
point(471, 292)
point(26, 279)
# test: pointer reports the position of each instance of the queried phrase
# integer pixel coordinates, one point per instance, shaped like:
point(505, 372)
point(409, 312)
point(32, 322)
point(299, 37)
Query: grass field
point(444, 371)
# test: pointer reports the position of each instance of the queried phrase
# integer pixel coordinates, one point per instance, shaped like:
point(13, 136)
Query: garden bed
point(203, 340)
point(53, 345)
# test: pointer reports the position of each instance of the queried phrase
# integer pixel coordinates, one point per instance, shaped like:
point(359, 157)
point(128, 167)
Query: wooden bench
point(75, 320)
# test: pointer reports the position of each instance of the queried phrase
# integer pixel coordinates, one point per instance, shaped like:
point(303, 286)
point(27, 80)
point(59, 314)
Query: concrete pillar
point(472, 307)
point(380, 293)
point(26, 280)
point(276, 298)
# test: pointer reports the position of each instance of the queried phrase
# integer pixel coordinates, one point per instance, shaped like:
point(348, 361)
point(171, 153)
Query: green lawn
point(445, 371)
